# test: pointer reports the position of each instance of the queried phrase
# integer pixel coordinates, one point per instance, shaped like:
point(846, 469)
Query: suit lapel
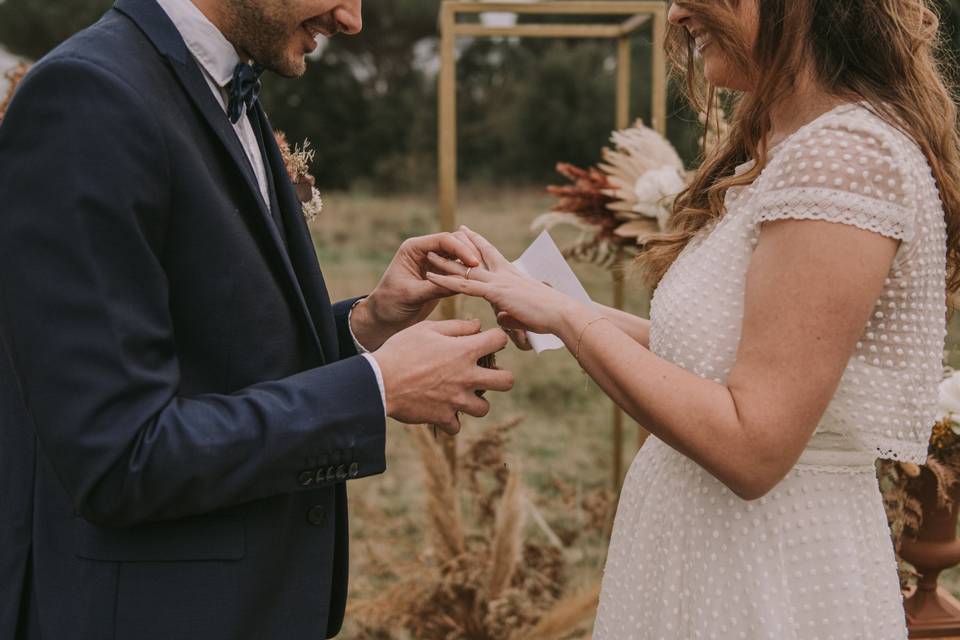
point(299, 243)
point(192, 78)
point(156, 25)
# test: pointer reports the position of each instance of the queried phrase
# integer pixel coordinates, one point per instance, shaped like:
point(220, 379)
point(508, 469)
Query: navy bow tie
point(244, 89)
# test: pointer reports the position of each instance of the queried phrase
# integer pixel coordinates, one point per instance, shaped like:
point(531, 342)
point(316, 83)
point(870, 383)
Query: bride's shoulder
point(849, 165)
point(854, 138)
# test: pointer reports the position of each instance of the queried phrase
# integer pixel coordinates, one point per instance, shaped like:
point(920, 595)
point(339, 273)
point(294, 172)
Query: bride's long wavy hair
point(888, 53)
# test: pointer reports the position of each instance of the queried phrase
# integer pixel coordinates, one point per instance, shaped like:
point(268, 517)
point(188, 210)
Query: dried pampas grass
point(484, 580)
point(507, 536)
point(565, 616)
point(443, 503)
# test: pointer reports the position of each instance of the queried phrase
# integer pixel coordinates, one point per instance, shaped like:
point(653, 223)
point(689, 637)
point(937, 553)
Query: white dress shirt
point(217, 59)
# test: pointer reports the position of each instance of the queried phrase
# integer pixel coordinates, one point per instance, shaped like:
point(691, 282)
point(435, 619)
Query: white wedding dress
point(813, 558)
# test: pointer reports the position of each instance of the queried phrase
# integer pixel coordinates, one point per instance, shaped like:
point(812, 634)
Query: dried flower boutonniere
point(13, 77)
point(297, 161)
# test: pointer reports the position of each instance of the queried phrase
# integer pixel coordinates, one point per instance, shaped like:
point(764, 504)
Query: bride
point(795, 335)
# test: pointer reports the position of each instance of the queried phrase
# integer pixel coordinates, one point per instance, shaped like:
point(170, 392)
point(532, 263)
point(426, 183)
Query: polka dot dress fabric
point(813, 558)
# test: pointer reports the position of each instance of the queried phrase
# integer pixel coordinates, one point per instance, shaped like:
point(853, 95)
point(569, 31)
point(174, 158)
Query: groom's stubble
point(270, 31)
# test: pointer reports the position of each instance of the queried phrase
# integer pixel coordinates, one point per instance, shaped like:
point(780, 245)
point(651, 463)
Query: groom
point(196, 401)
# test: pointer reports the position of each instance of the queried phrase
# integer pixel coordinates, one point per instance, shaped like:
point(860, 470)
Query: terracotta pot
point(932, 612)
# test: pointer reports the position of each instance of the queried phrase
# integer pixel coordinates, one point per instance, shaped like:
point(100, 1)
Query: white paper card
point(542, 260)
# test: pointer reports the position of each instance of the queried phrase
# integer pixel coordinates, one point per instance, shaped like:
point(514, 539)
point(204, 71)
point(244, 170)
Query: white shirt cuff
point(369, 357)
point(376, 371)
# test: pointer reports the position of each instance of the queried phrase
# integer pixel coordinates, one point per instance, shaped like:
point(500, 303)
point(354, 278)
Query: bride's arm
point(634, 326)
point(810, 289)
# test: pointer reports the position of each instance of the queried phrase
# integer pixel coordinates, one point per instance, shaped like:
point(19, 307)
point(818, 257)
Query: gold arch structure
point(627, 17)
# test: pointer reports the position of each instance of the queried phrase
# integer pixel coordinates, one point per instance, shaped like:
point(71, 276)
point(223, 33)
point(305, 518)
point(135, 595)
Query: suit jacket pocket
point(194, 538)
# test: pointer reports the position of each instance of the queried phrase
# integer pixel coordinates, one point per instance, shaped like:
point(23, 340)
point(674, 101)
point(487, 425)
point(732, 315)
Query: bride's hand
point(520, 300)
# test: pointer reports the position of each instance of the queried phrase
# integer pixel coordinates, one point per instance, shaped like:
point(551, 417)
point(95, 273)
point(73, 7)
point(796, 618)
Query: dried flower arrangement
point(628, 196)
point(900, 481)
point(620, 202)
point(482, 578)
point(297, 161)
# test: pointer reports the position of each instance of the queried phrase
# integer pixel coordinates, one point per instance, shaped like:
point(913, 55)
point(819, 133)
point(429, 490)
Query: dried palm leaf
point(946, 477)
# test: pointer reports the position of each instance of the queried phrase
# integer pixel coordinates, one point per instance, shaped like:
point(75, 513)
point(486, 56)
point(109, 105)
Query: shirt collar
point(204, 40)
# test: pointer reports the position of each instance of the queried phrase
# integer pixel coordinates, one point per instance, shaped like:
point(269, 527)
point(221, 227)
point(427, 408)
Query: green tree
point(31, 28)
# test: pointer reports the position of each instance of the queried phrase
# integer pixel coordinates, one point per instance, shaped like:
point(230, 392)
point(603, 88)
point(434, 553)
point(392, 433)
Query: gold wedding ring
point(466, 276)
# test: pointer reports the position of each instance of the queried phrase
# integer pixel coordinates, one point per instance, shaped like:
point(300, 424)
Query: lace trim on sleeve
point(813, 203)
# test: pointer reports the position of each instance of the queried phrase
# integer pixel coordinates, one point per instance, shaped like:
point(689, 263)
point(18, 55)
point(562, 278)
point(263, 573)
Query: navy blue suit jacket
point(182, 404)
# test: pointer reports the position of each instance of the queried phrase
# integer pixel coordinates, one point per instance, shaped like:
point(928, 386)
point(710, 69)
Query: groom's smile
point(278, 34)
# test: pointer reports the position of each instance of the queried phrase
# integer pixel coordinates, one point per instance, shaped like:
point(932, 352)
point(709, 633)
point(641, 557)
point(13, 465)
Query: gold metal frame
point(636, 14)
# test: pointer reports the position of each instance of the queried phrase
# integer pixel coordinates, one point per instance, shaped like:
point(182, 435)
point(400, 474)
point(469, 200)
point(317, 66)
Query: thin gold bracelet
point(583, 331)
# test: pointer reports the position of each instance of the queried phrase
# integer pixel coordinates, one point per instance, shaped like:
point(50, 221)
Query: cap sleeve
point(846, 170)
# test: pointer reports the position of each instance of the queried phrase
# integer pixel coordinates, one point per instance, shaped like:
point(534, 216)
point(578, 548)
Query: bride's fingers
point(490, 254)
point(515, 329)
point(507, 321)
point(449, 267)
point(461, 285)
point(520, 339)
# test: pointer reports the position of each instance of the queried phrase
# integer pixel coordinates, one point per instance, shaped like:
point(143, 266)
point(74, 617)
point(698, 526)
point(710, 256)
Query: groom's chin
point(293, 65)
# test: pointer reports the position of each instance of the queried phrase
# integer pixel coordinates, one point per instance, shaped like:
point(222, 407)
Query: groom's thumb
point(456, 328)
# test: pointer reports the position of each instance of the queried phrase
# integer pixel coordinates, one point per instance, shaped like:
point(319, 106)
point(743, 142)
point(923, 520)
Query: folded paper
point(542, 260)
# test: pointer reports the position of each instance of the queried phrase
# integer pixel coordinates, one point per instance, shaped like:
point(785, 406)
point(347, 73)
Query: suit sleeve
point(84, 311)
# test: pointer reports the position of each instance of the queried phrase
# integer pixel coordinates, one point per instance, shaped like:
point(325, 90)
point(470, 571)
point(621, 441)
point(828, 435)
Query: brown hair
point(884, 52)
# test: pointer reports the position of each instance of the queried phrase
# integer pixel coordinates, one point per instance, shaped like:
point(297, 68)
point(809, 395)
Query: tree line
point(368, 103)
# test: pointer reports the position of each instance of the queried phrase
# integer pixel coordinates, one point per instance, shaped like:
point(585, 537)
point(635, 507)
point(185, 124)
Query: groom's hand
point(430, 372)
point(404, 296)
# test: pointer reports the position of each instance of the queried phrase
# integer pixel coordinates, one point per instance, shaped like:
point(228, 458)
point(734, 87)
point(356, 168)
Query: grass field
point(566, 434)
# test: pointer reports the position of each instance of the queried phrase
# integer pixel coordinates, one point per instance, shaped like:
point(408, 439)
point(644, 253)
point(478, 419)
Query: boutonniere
point(297, 161)
point(13, 78)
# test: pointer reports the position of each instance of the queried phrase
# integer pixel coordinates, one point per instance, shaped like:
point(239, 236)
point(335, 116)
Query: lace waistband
point(837, 458)
point(835, 450)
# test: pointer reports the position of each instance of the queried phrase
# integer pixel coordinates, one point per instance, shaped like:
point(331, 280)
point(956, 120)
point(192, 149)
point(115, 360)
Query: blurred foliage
point(368, 102)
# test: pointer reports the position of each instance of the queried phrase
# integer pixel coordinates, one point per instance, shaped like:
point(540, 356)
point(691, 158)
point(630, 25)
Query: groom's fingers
point(460, 285)
point(424, 291)
point(475, 406)
point(449, 244)
point(456, 328)
point(451, 427)
point(494, 380)
point(483, 344)
point(490, 254)
point(449, 267)
point(465, 239)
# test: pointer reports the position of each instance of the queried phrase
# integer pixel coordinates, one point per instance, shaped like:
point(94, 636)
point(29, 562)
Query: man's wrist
point(368, 331)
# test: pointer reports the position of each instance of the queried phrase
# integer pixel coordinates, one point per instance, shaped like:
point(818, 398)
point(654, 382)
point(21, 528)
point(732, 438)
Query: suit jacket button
point(342, 472)
point(317, 514)
point(305, 479)
point(354, 470)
